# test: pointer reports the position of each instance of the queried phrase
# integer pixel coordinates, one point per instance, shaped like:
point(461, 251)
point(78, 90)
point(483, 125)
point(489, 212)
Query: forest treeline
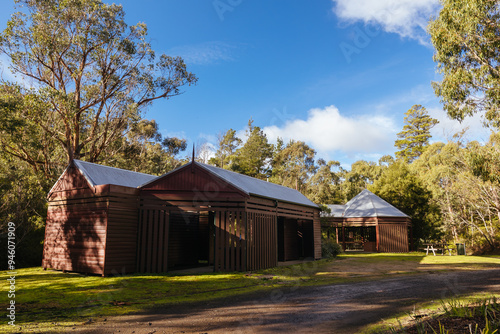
point(89, 78)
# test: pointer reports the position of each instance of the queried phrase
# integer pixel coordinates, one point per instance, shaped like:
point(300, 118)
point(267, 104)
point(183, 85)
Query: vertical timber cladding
point(231, 240)
point(393, 237)
point(153, 240)
point(262, 241)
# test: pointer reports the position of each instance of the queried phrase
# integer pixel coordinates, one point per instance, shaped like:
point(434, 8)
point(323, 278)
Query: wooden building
point(106, 220)
point(370, 224)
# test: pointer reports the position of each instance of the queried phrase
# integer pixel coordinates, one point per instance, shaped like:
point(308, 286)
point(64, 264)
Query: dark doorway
point(295, 239)
point(189, 240)
point(306, 238)
point(281, 239)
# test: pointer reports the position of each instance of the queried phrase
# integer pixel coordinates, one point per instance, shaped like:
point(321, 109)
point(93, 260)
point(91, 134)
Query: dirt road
point(342, 308)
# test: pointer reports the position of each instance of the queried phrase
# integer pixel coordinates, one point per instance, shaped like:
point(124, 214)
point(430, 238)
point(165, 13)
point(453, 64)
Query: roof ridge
point(373, 204)
point(264, 184)
point(204, 166)
point(84, 172)
point(105, 166)
point(242, 175)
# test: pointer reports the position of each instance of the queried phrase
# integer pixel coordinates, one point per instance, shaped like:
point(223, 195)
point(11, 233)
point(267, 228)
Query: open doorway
point(359, 238)
point(190, 240)
point(295, 239)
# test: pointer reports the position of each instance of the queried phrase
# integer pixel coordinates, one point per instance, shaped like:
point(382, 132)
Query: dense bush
point(330, 248)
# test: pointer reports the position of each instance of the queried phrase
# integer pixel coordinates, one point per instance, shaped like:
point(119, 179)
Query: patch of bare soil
point(338, 308)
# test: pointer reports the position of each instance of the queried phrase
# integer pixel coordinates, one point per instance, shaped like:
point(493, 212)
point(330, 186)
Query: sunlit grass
point(45, 297)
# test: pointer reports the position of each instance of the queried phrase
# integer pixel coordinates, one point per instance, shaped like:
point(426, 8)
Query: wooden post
point(343, 235)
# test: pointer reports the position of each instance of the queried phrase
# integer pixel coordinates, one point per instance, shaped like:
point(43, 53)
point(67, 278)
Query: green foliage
point(90, 78)
point(226, 148)
point(361, 175)
point(253, 157)
point(402, 188)
point(144, 150)
point(93, 75)
point(22, 118)
point(467, 52)
point(330, 248)
point(416, 133)
point(464, 182)
point(293, 165)
point(325, 185)
point(22, 198)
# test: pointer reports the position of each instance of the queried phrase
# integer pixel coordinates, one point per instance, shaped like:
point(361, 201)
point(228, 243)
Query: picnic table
point(433, 247)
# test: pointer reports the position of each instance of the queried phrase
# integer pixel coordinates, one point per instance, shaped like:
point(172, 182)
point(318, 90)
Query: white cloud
point(408, 18)
point(204, 53)
point(210, 138)
point(171, 134)
point(328, 131)
point(448, 127)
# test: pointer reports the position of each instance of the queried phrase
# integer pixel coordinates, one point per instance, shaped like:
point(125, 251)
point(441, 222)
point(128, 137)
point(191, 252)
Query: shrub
point(330, 248)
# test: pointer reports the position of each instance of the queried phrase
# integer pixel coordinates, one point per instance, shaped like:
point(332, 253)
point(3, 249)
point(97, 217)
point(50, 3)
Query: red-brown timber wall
point(393, 238)
point(231, 241)
point(121, 237)
point(153, 240)
point(75, 235)
point(245, 226)
point(392, 232)
point(262, 241)
point(291, 211)
point(90, 230)
point(317, 235)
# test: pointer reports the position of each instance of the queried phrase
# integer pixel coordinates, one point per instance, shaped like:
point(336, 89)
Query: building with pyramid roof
point(369, 223)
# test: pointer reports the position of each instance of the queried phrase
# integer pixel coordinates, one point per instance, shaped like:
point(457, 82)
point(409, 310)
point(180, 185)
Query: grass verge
point(473, 314)
point(51, 300)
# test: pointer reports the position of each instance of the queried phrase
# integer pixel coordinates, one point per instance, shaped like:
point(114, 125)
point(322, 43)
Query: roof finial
point(192, 161)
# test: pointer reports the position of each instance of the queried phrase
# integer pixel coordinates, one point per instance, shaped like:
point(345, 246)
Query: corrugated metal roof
point(99, 174)
point(367, 204)
point(253, 186)
point(336, 210)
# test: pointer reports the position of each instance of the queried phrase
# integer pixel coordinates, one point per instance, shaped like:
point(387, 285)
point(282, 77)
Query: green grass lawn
point(47, 297)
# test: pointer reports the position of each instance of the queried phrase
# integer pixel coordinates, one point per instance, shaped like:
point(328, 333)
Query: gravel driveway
point(341, 308)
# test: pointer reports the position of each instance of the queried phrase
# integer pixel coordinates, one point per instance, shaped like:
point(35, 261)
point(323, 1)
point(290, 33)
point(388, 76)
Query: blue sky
point(337, 74)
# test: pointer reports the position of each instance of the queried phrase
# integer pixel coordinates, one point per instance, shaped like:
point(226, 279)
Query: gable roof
point(98, 174)
point(253, 186)
point(249, 185)
point(366, 204)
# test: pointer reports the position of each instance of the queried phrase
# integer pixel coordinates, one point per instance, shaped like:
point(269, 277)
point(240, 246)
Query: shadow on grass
point(48, 296)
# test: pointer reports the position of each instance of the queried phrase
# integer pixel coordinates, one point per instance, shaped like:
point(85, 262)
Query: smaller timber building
point(370, 224)
point(106, 220)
